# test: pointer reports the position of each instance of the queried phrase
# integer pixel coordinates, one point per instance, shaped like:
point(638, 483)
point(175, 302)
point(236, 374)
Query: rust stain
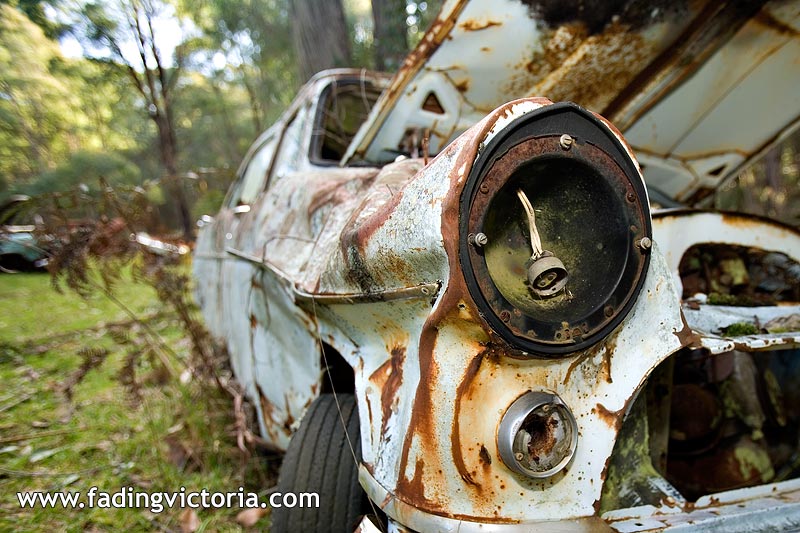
point(359, 230)
point(463, 85)
point(393, 382)
point(484, 456)
point(608, 63)
point(475, 25)
point(334, 192)
point(268, 413)
point(766, 18)
point(612, 418)
point(610, 348)
point(557, 46)
point(287, 424)
point(455, 435)
point(414, 489)
point(576, 363)
point(687, 336)
point(422, 421)
point(369, 410)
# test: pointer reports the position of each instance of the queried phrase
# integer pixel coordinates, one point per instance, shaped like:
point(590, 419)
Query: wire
point(536, 240)
point(336, 400)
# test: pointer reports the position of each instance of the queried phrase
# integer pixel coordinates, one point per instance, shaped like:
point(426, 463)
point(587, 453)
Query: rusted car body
point(347, 258)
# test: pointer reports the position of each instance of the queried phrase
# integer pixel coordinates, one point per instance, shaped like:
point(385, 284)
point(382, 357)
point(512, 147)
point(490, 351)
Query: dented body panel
point(323, 258)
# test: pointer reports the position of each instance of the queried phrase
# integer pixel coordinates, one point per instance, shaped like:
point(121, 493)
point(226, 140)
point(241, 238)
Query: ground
point(177, 435)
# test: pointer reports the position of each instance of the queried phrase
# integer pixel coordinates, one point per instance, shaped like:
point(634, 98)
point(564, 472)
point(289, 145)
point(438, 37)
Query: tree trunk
point(320, 35)
point(168, 147)
point(390, 33)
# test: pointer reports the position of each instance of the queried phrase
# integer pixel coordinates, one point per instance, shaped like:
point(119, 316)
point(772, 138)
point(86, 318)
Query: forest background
point(169, 94)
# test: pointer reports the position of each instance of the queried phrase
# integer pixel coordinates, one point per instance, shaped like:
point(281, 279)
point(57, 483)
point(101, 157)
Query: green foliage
point(208, 204)
point(70, 121)
point(86, 169)
point(36, 12)
point(36, 104)
point(179, 434)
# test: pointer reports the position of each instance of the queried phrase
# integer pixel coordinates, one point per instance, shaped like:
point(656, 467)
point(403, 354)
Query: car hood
point(699, 89)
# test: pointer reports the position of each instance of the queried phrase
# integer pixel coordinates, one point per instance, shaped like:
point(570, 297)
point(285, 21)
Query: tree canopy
point(169, 92)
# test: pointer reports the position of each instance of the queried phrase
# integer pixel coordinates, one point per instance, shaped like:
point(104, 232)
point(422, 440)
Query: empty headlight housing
point(555, 231)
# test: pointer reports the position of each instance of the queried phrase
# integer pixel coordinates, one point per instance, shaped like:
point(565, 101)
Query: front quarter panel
point(433, 382)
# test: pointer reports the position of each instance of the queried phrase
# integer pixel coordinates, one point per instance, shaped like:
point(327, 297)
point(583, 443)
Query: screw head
point(484, 188)
point(505, 316)
point(566, 141)
point(478, 240)
point(645, 243)
point(608, 311)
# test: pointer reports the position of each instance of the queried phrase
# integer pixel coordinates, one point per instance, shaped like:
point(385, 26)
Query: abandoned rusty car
point(462, 302)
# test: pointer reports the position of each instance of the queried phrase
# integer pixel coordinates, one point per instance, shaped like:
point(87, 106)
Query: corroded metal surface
point(437, 451)
point(679, 78)
point(677, 230)
point(773, 507)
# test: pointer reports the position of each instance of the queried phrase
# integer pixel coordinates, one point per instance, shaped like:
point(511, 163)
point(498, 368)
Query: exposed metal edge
point(678, 212)
point(415, 61)
point(749, 343)
point(773, 507)
point(709, 320)
point(424, 290)
point(417, 520)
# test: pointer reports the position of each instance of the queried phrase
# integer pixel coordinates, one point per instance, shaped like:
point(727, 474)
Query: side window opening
point(344, 107)
point(290, 151)
point(255, 174)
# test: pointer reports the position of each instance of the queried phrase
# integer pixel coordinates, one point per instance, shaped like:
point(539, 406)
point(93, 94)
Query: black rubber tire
point(319, 460)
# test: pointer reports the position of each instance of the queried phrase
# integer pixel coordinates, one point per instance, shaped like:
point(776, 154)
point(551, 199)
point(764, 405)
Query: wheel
point(319, 460)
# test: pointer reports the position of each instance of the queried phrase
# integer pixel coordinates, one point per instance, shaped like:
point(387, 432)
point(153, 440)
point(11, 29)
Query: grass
point(180, 435)
point(33, 310)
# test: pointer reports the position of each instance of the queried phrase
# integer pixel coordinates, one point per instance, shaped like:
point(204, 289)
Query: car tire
point(319, 460)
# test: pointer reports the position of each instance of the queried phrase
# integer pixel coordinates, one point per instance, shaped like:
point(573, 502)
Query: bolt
point(518, 456)
point(630, 196)
point(478, 240)
point(566, 141)
point(608, 311)
point(645, 243)
point(505, 316)
point(484, 188)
